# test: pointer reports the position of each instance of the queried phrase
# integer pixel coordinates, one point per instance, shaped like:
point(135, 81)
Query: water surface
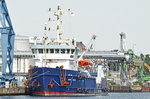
point(109, 96)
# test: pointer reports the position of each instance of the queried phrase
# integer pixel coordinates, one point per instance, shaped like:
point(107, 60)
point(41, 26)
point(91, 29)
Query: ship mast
point(58, 39)
point(59, 13)
point(45, 40)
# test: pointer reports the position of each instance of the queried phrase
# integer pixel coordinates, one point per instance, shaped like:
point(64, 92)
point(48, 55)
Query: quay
point(128, 89)
point(12, 91)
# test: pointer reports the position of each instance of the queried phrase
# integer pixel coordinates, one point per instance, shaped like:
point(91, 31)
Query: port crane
point(85, 62)
point(91, 42)
point(7, 44)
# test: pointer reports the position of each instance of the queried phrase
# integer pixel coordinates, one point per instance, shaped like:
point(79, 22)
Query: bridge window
point(68, 51)
point(56, 51)
point(51, 50)
point(47, 50)
point(34, 51)
point(40, 51)
point(72, 51)
point(62, 51)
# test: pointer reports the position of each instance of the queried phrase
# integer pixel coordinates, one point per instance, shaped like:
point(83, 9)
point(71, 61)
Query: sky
point(104, 18)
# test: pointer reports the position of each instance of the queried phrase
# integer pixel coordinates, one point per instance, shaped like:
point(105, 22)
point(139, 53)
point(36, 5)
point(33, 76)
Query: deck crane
point(7, 43)
point(85, 62)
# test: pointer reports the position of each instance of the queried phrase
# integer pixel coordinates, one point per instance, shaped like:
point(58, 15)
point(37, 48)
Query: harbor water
point(109, 96)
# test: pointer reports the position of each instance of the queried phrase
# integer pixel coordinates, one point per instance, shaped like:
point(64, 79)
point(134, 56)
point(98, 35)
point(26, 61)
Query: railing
point(104, 54)
point(108, 54)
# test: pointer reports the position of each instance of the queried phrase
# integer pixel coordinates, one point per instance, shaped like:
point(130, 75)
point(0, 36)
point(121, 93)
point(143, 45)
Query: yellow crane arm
point(146, 65)
point(131, 71)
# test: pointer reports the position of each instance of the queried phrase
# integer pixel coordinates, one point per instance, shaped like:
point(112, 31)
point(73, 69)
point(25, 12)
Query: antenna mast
point(59, 13)
point(45, 43)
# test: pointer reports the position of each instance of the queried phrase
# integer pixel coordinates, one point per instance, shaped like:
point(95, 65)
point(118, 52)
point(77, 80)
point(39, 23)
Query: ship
point(58, 70)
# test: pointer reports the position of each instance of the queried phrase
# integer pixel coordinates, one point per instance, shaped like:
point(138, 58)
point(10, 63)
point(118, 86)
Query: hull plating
point(49, 82)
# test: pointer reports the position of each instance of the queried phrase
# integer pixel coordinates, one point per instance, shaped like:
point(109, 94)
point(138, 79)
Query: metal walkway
point(110, 55)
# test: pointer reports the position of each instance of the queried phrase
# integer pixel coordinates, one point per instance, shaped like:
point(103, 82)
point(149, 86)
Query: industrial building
point(23, 57)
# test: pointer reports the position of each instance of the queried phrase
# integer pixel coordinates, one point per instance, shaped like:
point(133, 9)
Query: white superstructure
point(54, 56)
point(100, 74)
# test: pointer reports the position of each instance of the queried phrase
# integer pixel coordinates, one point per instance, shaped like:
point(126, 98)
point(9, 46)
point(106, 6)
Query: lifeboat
point(85, 63)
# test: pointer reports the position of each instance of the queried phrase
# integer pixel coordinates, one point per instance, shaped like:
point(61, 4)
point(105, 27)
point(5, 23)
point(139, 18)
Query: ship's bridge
point(53, 49)
point(54, 55)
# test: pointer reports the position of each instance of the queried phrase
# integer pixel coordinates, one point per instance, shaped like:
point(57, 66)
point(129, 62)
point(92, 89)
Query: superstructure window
point(62, 51)
point(51, 50)
point(47, 50)
point(68, 51)
point(40, 51)
point(34, 51)
point(56, 51)
point(72, 51)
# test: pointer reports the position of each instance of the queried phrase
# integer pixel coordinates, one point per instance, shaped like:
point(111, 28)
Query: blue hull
point(49, 82)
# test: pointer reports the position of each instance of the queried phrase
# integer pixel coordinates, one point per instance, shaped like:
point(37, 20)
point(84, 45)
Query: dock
point(12, 91)
point(128, 89)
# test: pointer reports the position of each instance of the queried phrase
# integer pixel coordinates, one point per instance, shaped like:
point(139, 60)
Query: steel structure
point(7, 41)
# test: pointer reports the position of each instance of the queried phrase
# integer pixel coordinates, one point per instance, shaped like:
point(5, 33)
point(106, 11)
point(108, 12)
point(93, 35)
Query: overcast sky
point(104, 18)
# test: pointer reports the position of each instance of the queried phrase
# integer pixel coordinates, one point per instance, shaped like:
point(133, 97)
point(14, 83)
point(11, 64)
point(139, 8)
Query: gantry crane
point(7, 43)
